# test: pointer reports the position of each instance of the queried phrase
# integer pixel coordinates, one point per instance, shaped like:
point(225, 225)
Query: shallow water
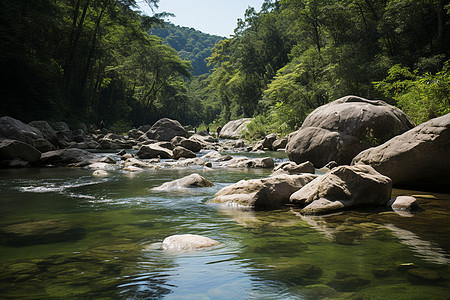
point(364, 254)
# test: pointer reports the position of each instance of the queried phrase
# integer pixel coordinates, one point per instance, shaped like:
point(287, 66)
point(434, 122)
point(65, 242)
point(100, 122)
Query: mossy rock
point(423, 276)
point(345, 282)
point(318, 291)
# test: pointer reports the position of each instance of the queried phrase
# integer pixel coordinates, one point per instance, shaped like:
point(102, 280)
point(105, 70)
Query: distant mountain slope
point(190, 43)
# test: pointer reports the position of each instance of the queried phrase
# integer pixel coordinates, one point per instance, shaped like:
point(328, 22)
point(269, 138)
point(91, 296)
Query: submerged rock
point(191, 181)
point(39, 232)
point(265, 193)
point(419, 158)
point(341, 129)
point(187, 242)
point(318, 291)
point(344, 187)
point(344, 282)
point(422, 275)
point(100, 173)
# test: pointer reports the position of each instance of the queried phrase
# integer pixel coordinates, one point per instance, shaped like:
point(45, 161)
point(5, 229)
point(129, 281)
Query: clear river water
point(359, 254)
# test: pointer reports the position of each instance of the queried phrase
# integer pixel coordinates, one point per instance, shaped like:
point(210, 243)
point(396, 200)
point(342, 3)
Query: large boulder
point(42, 145)
point(179, 152)
point(233, 129)
point(341, 129)
point(17, 130)
point(13, 149)
point(343, 187)
point(191, 181)
point(165, 130)
point(265, 193)
point(65, 157)
point(154, 151)
point(47, 131)
point(187, 242)
point(419, 158)
point(189, 144)
point(39, 232)
point(135, 133)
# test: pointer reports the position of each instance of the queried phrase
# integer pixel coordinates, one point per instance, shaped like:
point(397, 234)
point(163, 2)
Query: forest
point(191, 44)
point(91, 60)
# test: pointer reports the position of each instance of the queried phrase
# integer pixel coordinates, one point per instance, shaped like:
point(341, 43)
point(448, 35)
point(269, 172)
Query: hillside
point(190, 43)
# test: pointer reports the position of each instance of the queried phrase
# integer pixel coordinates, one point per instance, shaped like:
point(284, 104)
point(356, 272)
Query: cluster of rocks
point(363, 147)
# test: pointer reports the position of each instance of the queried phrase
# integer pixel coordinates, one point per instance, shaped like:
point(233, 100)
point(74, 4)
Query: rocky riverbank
point(380, 142)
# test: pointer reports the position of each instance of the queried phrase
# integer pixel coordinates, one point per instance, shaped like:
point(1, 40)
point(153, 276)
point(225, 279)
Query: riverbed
point(358, 254)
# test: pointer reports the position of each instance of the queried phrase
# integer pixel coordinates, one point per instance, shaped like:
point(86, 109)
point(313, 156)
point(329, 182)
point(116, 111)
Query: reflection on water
point(264, 255)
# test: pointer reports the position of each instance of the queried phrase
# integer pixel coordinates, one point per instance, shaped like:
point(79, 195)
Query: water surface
point(363, 254)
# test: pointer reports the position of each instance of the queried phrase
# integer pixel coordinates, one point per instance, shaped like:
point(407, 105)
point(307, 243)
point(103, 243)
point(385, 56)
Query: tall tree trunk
point(73, 45)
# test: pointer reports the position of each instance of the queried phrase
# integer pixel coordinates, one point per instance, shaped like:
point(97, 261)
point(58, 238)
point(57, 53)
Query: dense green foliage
point(191, 44)
point(90, 60)
point(295, 55)
point(422, 97)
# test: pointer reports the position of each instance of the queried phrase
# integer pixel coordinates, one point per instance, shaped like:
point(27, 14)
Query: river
point(359, 254)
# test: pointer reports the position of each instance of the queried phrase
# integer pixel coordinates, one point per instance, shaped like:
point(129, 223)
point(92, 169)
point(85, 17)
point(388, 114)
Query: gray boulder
point(13, 149)
point(65, 157)
point(61, 126)
point(135, 133)
point(269, 140)
point(191, 181)
point(341, 129)
point(189, 144)
point(265, 193)
point(165, 130)
point(233, 129)
point(47, 131)
point(154, 151)
point(42, 145)
point(179, 152)
point(343, 187)
point(79, 135)
point(419, 158)
point(244, 162)
point(291, 168)
point(16, 130)
point(279, 144)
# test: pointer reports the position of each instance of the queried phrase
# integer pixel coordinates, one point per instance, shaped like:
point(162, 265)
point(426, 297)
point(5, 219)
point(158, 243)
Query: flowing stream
point(360, 254)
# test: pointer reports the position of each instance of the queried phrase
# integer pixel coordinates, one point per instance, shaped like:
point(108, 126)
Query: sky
point(218, 17)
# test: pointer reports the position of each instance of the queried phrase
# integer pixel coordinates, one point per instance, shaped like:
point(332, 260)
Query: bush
point(422, 97)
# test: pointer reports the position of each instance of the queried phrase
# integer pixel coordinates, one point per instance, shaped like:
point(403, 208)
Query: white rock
point(187, 242)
